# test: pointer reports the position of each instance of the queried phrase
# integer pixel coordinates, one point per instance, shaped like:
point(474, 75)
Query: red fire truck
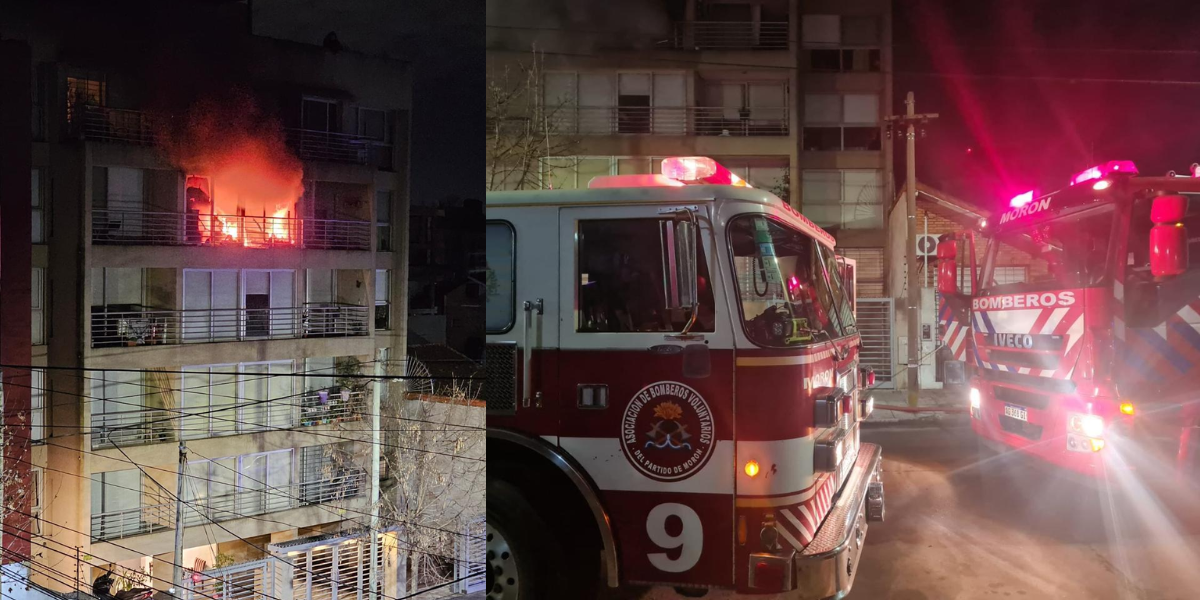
point(673, 392)
point(1090, 359)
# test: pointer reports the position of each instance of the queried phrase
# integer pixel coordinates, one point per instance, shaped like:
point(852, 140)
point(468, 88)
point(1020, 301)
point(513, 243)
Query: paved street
point(958, 529)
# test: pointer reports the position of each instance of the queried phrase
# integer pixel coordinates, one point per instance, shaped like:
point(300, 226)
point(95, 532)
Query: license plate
point(1016, 412)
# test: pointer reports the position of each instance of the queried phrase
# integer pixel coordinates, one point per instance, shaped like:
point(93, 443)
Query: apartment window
point(321, 286)
point(38, 202)
point(764, 177)
point(850, 199)
point(319, 114)
point(383, 305)
point(266, 395)
point(211, 487)
point(116, 500)
point(120, 288)
point(264, 482)
point(841, 43)
point(383, 221)
point(210, 398)
point(821, 30)
point(324, 476)
point(374, 125)
point(37, 404)
point(37, 301)
point(841, 122)
point(83, 92)
point(37, 488)
point(319, 373)
point(115, 393)
point(267, 296)
point(743, 108)
point(210, 302)
point(38, 106)
point(605, 103)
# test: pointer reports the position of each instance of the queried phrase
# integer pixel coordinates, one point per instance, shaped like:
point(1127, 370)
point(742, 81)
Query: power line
point(235, 373)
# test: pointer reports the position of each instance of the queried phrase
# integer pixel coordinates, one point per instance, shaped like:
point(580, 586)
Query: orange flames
point(243, 183)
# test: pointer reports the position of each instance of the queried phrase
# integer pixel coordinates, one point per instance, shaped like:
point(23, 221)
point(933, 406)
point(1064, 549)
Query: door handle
point(527, 354)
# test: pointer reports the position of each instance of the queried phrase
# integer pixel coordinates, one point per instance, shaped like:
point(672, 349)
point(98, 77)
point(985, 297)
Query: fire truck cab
point(673, 392)
point(1091, 362)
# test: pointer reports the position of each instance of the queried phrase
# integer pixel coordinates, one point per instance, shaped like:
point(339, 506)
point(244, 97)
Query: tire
point(525, 560)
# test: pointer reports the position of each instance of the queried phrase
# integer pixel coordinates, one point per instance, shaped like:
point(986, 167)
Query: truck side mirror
point(680, 263)
point(1168, 237)
point(947, 253)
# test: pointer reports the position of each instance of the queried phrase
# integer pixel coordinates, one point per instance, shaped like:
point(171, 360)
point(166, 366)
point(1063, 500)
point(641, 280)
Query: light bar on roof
point(700, 169)
point(1100, 171)
point(1021, 199)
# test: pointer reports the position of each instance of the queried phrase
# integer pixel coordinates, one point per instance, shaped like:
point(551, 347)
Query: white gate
point(472, 551)
point(875, 318)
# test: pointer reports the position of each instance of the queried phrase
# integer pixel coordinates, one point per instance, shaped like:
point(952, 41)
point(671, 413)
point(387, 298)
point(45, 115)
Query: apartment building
point(217, 290)
point(789, 94)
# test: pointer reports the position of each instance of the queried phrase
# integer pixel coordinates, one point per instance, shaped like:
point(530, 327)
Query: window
point(267, 296)
point(374, 125)
point(266, 395)
point(210, 398)
point(605, 103)
point(37, 301)
point(501, 282)
point(211, 301)
point(38, 106)
point(841, 43)
point(211, 487)
point(383, 305)
point(1069, 251)
point(118, 287)
point(319, 114)
point(383, 221)
point(37, 489)
point(83, 92)
point(849, 199)
point(787, 294)
point(819, 30)
point(743, 108)
point(324, 477)
point(116, 498)
point(576, 172)
point(869, 270)
point(38, 228)
point(37, 404)
point(841, 122)
point(264, 482)
point(620, 279)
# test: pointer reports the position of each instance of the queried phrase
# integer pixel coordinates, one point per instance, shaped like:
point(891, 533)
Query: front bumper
point(827, 566)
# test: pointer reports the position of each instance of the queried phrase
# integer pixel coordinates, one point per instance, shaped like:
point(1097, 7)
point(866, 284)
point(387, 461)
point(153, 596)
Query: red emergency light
point(1104, 170)
point(700, 169)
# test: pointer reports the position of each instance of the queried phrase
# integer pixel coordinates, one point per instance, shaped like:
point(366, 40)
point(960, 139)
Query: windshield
point(1066, 252)
point(788, 285)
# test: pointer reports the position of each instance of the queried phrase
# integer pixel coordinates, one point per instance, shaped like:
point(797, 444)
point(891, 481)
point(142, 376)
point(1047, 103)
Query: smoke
point(242, 151)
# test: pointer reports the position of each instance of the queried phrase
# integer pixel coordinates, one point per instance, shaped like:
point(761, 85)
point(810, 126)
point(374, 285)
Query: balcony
point(140, 520)
point(679, 121)
point(138, 325)
point(101, 123)
point(138, 427)
point(138, 228)
point(730, 35)
point(330, 146)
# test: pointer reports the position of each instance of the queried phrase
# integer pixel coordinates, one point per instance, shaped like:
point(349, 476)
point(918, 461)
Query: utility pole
point(177, 560)
point(911, 118)
point(376, 394)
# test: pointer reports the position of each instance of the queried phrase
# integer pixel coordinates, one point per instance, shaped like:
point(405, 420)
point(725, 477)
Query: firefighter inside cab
point(673, 393)
point(1084, 345)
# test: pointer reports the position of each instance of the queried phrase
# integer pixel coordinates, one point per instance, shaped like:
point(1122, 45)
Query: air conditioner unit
point(927, 245)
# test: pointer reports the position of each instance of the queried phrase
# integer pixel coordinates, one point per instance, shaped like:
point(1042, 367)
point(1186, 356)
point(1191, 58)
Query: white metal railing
point(117, 227)
point(681, 120)
point(138, 325)
point(120, 125)
point(731, 35)
point(330, 146)
point(138, 520)
point(254, 580)
point(132, 428)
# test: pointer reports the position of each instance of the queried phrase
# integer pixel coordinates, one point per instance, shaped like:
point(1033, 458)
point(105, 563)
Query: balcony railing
point(117, 524)
point(178, 229)
point(330, 146)
point(133, 428)
point(136, 325)
point(255, 580)
point(731, 35)
point(139, 427)
point(106, 124)
point(128, 522)
point(682, 121)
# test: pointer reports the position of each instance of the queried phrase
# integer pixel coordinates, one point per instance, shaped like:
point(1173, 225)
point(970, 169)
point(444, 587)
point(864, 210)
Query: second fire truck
point(673, 393)
point(1091, 359)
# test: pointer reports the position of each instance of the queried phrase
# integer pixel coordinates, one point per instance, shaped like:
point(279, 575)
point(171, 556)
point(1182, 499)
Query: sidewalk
point(933, 406)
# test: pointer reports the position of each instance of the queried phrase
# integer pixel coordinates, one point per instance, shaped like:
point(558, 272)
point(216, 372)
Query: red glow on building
point(247, 201)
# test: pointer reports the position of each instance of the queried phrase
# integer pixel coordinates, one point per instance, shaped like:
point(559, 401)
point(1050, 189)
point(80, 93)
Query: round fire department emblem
point(667, 431)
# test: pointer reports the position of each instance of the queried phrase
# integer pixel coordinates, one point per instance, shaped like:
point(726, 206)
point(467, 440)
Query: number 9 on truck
point(690, 538)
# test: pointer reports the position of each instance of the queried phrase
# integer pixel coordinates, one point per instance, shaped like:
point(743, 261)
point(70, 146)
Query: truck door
point(647, 412)
point(957, 279)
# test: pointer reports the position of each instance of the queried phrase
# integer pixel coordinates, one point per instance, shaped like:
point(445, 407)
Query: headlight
point(1093, 426)
point(976, 398)
point(1090, 425)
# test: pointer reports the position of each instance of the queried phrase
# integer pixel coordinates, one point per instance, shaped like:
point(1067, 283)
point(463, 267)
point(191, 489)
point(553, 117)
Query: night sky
point(1030, 92)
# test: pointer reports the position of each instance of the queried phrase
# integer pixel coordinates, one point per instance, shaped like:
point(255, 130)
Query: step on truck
point(1089, 359)
point(673, 393)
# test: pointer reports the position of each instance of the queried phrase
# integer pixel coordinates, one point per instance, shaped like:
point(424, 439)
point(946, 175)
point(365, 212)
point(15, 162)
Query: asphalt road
point(960, 528)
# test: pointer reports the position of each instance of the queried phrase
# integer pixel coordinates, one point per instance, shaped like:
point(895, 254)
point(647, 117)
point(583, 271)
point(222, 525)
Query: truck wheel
point(523, 557)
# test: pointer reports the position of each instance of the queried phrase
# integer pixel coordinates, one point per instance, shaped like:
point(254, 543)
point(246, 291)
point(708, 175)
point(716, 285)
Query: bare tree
point(525, 128)
point(16, 493)
point(434, 479)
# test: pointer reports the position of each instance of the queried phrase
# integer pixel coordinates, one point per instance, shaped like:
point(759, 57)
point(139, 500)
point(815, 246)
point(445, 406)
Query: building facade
point(789, 94)
point(218, 251)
